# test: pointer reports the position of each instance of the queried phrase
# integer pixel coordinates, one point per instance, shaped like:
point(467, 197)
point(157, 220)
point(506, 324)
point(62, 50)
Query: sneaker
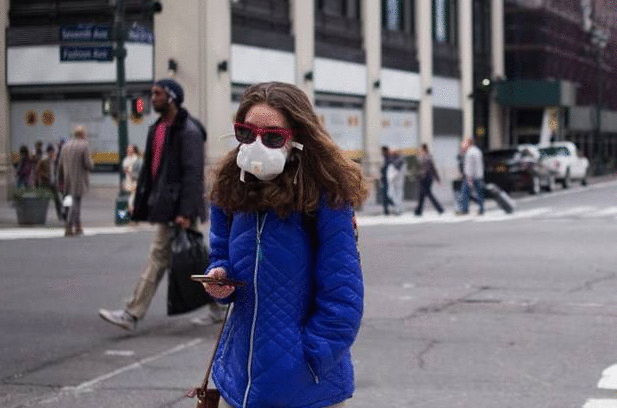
point(214, 314)
point(119, 318)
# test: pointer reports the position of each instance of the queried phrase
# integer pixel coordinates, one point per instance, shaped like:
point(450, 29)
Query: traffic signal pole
point(121, 212)
point(121, 85)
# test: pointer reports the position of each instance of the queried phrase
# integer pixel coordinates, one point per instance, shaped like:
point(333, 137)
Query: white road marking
point(601, 403)
point(30, 233)
point(606, 212)
point(502, 216)
point(121, 353)
point(88, 385)
point(608, 381)
point(572, 211)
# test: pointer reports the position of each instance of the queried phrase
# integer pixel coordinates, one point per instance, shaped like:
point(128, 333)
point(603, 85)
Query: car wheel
point(566, 180)
point(584, 179)
point(552, 183)
point(535, 185)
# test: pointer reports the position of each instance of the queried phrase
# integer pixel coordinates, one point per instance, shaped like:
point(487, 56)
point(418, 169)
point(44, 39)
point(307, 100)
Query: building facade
point(561, 76)
point(380, 72)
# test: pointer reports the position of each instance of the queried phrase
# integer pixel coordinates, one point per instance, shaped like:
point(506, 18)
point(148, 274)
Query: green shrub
point(18, 193)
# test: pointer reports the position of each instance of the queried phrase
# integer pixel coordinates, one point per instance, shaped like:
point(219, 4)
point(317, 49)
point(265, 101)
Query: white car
point(565, 160)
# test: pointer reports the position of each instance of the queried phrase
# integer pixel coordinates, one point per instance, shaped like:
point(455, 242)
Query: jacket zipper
point(252, 337)
point(315, 377)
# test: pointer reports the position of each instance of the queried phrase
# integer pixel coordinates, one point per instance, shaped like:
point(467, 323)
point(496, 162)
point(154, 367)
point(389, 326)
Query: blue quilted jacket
point(287, 341)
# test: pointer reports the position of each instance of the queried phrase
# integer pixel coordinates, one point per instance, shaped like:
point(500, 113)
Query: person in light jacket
point(473, 176)
point(282, 221)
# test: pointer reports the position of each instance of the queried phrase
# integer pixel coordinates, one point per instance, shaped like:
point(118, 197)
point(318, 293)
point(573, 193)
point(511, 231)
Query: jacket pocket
point(163, 202)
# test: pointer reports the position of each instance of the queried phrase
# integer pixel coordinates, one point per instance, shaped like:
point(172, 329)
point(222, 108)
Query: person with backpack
point(282, 223)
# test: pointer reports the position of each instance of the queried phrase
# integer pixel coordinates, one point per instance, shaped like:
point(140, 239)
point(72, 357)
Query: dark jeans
point(385, 199)
point(425, 191)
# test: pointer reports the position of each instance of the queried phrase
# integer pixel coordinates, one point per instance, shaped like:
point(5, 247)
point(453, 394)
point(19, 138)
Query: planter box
point(32, 210)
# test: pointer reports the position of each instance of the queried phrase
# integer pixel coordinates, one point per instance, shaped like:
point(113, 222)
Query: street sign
point(86, 53)
point(140, 34)
point(85, 33)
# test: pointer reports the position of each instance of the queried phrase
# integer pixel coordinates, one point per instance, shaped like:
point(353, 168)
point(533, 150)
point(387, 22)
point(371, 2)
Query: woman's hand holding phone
point(218, 290)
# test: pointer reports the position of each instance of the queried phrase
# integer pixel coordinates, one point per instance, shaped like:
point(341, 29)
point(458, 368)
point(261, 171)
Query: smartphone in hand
point(217, 280)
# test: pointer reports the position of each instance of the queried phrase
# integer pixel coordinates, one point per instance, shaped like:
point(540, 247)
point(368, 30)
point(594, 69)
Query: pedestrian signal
point(138, 107)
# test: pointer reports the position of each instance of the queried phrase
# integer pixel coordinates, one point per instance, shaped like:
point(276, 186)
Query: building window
point(444, 21)
point(393, 15)
point(339, 8)
point(481, 27)
point(398, 15)
point(338, 30)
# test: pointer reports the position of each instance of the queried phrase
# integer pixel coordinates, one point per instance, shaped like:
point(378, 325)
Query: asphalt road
point(461, 311)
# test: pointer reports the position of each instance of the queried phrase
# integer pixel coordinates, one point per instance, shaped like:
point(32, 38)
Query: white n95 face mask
point(263, 162)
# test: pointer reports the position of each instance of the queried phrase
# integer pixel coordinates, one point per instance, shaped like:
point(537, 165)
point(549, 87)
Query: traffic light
point(152, 7)
point(138, 106)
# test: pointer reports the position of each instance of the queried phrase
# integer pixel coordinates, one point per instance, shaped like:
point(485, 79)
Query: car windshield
point(554, 151)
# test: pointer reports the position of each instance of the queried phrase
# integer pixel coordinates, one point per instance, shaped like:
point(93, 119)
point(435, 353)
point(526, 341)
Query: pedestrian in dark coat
point(170, 190)
point(387, 161)
point(46, 177)
point(24, 168)
point(426, 174)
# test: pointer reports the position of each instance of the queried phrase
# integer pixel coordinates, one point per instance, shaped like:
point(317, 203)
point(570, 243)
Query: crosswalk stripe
point(572, 211)
point(608, 381)
point(601, 403)
point(501, 216)
point(603, 213)
point(31, 233)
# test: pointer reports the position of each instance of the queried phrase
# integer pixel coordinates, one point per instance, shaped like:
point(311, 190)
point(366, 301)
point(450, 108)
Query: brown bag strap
point(204, 385)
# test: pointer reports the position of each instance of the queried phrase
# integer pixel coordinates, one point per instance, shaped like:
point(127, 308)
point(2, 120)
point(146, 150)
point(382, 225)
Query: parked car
point(566, 161)
point(518, 168)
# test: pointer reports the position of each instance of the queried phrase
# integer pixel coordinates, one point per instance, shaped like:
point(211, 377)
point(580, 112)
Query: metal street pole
point(121, 85)
point(598, 132)
point(122, 216)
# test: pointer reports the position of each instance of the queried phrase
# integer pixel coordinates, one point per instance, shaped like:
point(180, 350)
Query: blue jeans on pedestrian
point(478, 189)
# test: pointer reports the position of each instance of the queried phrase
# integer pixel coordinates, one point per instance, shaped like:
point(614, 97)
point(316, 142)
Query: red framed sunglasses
point(274, 138)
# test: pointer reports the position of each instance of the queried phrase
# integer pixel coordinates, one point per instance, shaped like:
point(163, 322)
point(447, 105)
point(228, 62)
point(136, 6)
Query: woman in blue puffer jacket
point(283, 223)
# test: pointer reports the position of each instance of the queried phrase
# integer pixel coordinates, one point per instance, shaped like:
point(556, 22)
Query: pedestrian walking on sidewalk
point(46, 176)
point(73, 169)
point(385, 193)
point(282, 223)
point(131, 166)
point(473, 177)
point(426, 174)
point(397, 169)
point(170, 192)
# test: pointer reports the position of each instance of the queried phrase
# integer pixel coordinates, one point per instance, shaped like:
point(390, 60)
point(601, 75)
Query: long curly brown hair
point(320, 168)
